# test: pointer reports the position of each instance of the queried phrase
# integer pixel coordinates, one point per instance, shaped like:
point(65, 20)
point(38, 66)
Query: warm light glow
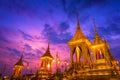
point(58, 62)
point(77, 53)
point(100, 51)
point(48, 66)
point(53, 61)
point(97, 46)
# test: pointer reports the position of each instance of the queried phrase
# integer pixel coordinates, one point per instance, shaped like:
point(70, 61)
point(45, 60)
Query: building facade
point(46, 64)
point(17, 70)
point(91, 60)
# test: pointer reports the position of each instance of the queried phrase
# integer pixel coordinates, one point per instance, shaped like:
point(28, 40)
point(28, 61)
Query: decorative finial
point(21, 57)
point(96, 32)
point(23, 51)
point(95, 29)
point(48, 41)
point(48, 44)
point(77, 17)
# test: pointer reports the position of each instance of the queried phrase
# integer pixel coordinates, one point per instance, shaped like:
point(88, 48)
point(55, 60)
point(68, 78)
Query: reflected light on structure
point(53, 61)
point(48, 66)
point(58, 62)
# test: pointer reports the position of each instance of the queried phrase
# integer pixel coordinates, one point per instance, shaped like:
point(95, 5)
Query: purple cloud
point(27, 47)
point(26, 36)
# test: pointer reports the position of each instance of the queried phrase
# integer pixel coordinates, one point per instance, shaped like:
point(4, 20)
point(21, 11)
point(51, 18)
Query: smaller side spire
point(20, 62)
point(47, 52)
point(48, 48)
point(97, 38)
point(95, 28)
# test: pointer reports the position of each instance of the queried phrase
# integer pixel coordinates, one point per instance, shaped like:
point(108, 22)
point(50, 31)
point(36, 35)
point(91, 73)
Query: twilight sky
point(26, 26)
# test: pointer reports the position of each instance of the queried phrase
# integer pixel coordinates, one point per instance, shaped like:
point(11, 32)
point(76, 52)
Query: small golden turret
point(18, 67)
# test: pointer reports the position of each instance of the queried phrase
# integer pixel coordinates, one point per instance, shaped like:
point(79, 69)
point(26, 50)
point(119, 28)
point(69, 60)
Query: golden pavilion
point(93, 60)
point(46, 64)
point(17, 70)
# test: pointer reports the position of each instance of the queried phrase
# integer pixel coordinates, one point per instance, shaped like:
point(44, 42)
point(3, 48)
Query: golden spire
point(78, 34)
point(48, 45)
point(47, 53)
point(78, 22)
point(20, 62)
point(77, 17)
point(95, 29)
point(97, 38)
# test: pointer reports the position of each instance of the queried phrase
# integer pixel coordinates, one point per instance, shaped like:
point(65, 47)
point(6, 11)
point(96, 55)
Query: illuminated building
point(46, 64)
point(18, 67)
point(92, 60)
point(57, 61)
point(79, 46)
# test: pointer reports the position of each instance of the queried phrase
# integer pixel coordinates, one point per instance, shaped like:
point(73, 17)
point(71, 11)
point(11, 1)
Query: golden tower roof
point(20, 62)
point(97, 38)
point(47, 53)
point(79, 34)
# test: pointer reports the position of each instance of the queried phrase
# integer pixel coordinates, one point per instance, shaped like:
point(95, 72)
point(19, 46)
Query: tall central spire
point(78, 34)
point(78, 23)
point(78, 30)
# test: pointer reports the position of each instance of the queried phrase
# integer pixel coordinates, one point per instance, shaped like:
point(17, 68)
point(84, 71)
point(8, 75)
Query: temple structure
point(79, 47)
point(91, 60)
point(18, 67)
point(46, 64)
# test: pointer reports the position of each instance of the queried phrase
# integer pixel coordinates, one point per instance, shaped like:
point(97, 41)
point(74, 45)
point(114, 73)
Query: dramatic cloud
point(54, 36)
point(63, 26)
point(26, 36)
point(14, 51)
point(4, 40)
point(38, 51)
point(28, 47)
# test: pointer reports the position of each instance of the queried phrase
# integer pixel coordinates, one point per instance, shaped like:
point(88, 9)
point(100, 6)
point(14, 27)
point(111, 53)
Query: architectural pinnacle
point(77, 17)
point(20, 62)
point(95, 29)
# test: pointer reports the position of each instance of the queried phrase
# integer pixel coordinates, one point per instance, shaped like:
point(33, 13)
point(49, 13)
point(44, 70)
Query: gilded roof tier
point(78, 34)
point(47, 53)
point(20, 62)
point(97, 38)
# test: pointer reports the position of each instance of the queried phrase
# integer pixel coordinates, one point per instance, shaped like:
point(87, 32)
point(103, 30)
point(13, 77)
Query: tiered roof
point(78, 34)
point(20, 62)
point(47, 53)
point(97, 38)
